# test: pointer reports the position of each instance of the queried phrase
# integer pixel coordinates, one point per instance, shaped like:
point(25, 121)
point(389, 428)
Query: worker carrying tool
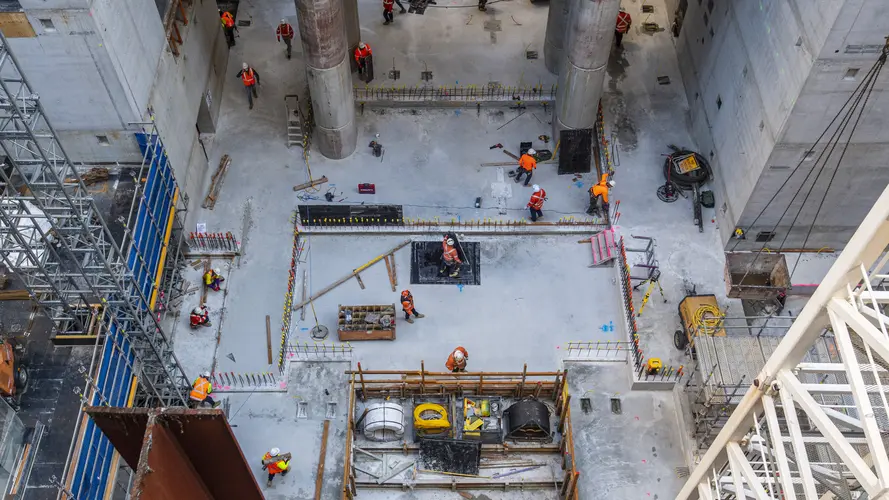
point(527, 163)
point(275, 463)
point(457, 360)
point(364, 58)
point(201, 389)
point(200, 316)
point(250, 77)
point(228, 26)
point(623, 26)
point(536, 203)
point(285, 32)
point(212, 280)
point(450, 258)
point(407, 305)
point(599, 197)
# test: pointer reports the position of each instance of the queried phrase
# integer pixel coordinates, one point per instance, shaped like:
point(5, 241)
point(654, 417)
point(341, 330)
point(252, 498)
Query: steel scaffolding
point(816, 429)
point(54, 238)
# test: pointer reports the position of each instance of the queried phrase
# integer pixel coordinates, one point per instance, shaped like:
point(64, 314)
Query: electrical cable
point(709, 317)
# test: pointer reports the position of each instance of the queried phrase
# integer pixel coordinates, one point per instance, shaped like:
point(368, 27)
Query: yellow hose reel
point(422, 422)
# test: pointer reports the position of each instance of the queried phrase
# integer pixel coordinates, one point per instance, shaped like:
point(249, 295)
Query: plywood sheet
point(16, 25)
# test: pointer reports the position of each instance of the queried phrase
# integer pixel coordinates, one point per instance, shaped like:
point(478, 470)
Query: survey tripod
point(653, 279)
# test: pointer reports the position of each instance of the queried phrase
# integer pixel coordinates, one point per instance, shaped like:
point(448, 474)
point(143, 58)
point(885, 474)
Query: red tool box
point(367, 188)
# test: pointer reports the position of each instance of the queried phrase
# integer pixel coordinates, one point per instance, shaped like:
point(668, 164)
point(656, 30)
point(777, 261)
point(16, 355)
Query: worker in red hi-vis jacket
point(387, 11)
point(623, 26)
point(536, 203)
point(361, 54)
point(285, 31)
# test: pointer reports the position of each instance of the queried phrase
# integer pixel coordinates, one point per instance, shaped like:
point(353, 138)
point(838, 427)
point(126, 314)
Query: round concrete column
point(588, 37)
point(323, 35)
point(553, 46)
point(353, 30)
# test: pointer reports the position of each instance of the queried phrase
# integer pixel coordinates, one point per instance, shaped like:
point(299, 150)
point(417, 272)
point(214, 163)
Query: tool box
point(367, 188)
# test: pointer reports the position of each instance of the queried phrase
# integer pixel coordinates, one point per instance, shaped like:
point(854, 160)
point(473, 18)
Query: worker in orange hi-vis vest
point(285, 32)
point(450, 258)
point(622, 27)
point(407, 305)
point(273, 465)
point(527, 164)
point(457, 360)
point(250, 78)
point(536, 203)
point(228, 26)
point(201, 389)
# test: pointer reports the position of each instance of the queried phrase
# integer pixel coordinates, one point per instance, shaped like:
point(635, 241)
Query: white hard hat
point(531, 151)
point(283, 21)
point(205, 374)
point(536, 188)
point(196, 310)
point(216, 271)
point(274, 451)
point(450, 241)
point(361, 45)
point(244, 66)
point(458, 355)
point(611, 183)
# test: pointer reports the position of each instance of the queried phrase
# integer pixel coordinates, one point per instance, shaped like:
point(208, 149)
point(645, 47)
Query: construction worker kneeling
point(200, 391)
point(213, 280)
point(407, 305)
point(275, 463)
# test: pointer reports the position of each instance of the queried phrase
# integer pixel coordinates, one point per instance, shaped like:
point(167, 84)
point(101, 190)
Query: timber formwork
point(178, 453)
point(547, 386)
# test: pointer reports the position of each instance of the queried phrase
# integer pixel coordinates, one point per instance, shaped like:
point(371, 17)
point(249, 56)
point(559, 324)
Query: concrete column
point(323, 35)
point(553, 46)
point(353, 29)
point(589, 34)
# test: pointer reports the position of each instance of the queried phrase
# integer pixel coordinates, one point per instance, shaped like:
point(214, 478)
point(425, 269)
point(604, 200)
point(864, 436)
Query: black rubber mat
point(575, 151)
point(426, 264)
point(451, 455)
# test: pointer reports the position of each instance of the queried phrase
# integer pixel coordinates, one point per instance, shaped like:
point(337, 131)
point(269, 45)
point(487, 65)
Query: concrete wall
point(764, 78)
point(108, 62)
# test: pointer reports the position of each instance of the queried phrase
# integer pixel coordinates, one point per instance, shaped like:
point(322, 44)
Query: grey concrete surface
point(554, 42)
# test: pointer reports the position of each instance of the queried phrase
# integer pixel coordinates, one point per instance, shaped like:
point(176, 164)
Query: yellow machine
point(654, 365)
point(431, 419)
point(700, 315)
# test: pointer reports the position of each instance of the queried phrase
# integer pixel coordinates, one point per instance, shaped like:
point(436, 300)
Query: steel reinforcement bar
point(455, 94)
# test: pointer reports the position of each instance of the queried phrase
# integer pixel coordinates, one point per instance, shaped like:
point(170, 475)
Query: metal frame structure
point(54, 238)
point(785, 440)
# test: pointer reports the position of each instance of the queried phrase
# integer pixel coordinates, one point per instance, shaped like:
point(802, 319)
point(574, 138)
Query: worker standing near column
point(599, 197)
point(407, 305)
point(285, 32)
point(362, 53)
point(212, 280)
point(228, 26)
point(457, 360)
point(250, 77)
point(450, 258)
point(201, 389)
point(536, 203)
point(622, 27)
point(387, 11)
point(527, 163)
point(275, 464)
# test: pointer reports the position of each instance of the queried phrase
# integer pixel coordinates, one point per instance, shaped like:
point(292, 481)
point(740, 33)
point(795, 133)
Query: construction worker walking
point(599, 197)
point(450, 258)
point(212, 280)
point(201, 389)
point(536, 203)
point(285, 32)
point(228, 26)
point(250, 77)
point(622, 27)
point(457, 360)
point(275, 463)
point(407, 305)
point(527, 164)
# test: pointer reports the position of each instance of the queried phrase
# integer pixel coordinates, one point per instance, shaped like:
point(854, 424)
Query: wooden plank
point(350, 335)
point(16, 25)
point(360, 283)
point(394, 270)
point(268, 336)
point(389, 272)
point(319, 476)
point(307, 185)
point(216, 182)
point(507, 153)
point(499, 164)
point(23, 295)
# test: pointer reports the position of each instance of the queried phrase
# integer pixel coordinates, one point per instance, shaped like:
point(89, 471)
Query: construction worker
point(599, 197)
point(623, 26)
point(200, 316)
point(481, 5)
point(400, 6)
point(228, 26)
point(250, 77)
point(273, 466)
point(361, 54)
point(285, 31)
point(536, 203)
point(201, 389)
point(457, 360)
point(527, 164)
point(387, 11)
point(212, 280)
point(450, 258)
point(407, 305)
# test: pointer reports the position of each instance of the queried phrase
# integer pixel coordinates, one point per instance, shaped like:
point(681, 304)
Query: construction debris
point(95, 175)
point(216, 182)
